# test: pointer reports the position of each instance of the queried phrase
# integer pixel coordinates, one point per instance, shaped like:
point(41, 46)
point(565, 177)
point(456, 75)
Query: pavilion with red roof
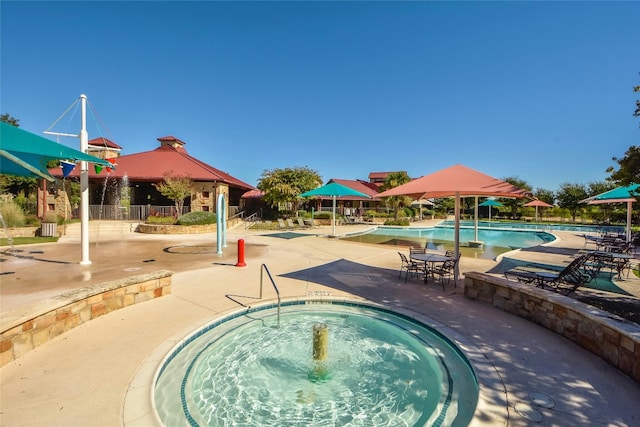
point(141, 171)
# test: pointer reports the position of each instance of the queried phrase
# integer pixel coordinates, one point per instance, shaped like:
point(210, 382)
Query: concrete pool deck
point(82, 377)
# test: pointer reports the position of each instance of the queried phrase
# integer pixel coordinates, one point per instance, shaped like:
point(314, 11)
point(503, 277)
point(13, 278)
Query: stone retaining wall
point(20, 232)
point(74, 308)
point(183, 229)
point(612, 338)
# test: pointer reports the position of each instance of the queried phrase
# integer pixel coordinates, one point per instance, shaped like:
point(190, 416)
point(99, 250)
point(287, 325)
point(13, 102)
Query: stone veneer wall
point(76, 307)
point(183, 229)
point(612, 338)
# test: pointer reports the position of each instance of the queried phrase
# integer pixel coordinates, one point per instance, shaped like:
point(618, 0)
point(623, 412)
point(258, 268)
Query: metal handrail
point(248, 221)
point(264, 268)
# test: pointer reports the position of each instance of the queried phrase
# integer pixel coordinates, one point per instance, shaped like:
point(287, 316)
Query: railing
point(248, 221)
point(264, 268)
point(140, 212)
point(238, 215)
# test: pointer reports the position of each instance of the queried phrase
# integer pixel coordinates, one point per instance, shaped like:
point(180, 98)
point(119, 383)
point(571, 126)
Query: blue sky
point(538, 90)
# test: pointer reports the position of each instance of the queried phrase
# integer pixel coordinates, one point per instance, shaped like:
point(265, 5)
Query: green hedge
point(402, 222)
point(197, 218)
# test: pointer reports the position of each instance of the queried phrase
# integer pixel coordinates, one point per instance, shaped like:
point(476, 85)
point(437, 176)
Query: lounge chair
point(301, 223)
point(290, 223)
point(409, 267)
point(580, 271)
point(282, 225)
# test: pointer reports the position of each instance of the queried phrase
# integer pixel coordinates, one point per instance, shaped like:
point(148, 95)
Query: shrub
point(12, 214)
point(162, 220)
point(197, 218)
point(402, 222)
point(51, 216)
point(322, 215)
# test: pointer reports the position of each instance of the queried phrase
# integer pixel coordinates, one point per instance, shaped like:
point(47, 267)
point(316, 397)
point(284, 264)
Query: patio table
point(614, 260)
point(429, 258)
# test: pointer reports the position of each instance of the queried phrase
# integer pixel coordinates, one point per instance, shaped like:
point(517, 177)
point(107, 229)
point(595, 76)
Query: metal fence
point(138, 212)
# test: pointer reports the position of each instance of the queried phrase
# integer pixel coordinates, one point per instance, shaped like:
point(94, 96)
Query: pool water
point(383, 369)
point(538, 226)
point(441, 238)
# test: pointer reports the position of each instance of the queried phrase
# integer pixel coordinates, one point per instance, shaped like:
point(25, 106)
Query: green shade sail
point(24, 153)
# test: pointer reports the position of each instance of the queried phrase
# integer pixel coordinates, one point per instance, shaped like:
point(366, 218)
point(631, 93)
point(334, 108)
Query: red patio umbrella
point(538, 203)
point(456, 181)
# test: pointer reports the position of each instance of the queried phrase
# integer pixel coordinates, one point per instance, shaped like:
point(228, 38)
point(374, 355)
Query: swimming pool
point(538, 226)
point(496, 241)
point(384, 369)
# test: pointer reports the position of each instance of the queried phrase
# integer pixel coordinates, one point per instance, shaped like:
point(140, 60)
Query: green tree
point(284, 186)
point(628, 170)
point(598, 187)
point(176, 188)
point(569, 197)
point(16, 184)
point(515, 204)
point(10, 120)
point(394, 179)
point(545, 195)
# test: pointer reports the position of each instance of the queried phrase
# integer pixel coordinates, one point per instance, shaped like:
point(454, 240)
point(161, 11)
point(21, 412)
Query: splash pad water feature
point(377, 368)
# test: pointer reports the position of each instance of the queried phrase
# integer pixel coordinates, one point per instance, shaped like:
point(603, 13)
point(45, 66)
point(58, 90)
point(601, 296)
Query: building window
point(205, 208)
point(205, 194)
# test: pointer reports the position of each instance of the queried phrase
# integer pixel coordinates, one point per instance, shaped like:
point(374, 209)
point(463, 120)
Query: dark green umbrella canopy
point(491, 202)
point(333, 190)
point(24, 153)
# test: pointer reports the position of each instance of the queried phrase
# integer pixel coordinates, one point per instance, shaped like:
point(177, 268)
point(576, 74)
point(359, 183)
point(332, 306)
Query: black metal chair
point(446, 269)
point(409, 266)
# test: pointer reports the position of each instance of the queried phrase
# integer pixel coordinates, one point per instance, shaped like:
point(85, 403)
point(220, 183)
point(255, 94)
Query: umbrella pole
point(456, 238)
point(334, 215)
point(475, 214)
point(629, 210)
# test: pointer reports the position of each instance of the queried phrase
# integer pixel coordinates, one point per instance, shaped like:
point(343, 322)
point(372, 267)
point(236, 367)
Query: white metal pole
point(629, 211)
point(334, 215)
point(475, 215)
point(84, 185)
point(456, 236)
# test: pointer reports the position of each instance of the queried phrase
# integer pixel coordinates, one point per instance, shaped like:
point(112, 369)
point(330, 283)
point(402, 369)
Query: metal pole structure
point(84, 185)
point(334, 216)
point(456, 236)
point(629, 211)
point(475, 215)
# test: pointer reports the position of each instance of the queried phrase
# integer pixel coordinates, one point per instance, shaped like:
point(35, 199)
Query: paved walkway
point(82, 377)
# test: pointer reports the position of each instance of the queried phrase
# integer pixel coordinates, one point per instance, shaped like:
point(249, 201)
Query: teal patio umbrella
point(624, 194)
point(491, 204)
point(24, 153)
point(333, 190)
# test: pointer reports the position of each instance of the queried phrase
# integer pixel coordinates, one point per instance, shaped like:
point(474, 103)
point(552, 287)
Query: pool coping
point(138, 409)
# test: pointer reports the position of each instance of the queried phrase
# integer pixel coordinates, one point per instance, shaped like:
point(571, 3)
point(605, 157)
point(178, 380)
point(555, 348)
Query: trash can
point(49, 229)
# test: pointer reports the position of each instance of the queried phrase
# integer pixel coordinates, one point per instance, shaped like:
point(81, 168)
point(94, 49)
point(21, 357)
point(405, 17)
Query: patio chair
point(409, 267)
point(290, 223)
point(446, 269)
point(282, 225)
point(302, 224)
point(580, 271)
